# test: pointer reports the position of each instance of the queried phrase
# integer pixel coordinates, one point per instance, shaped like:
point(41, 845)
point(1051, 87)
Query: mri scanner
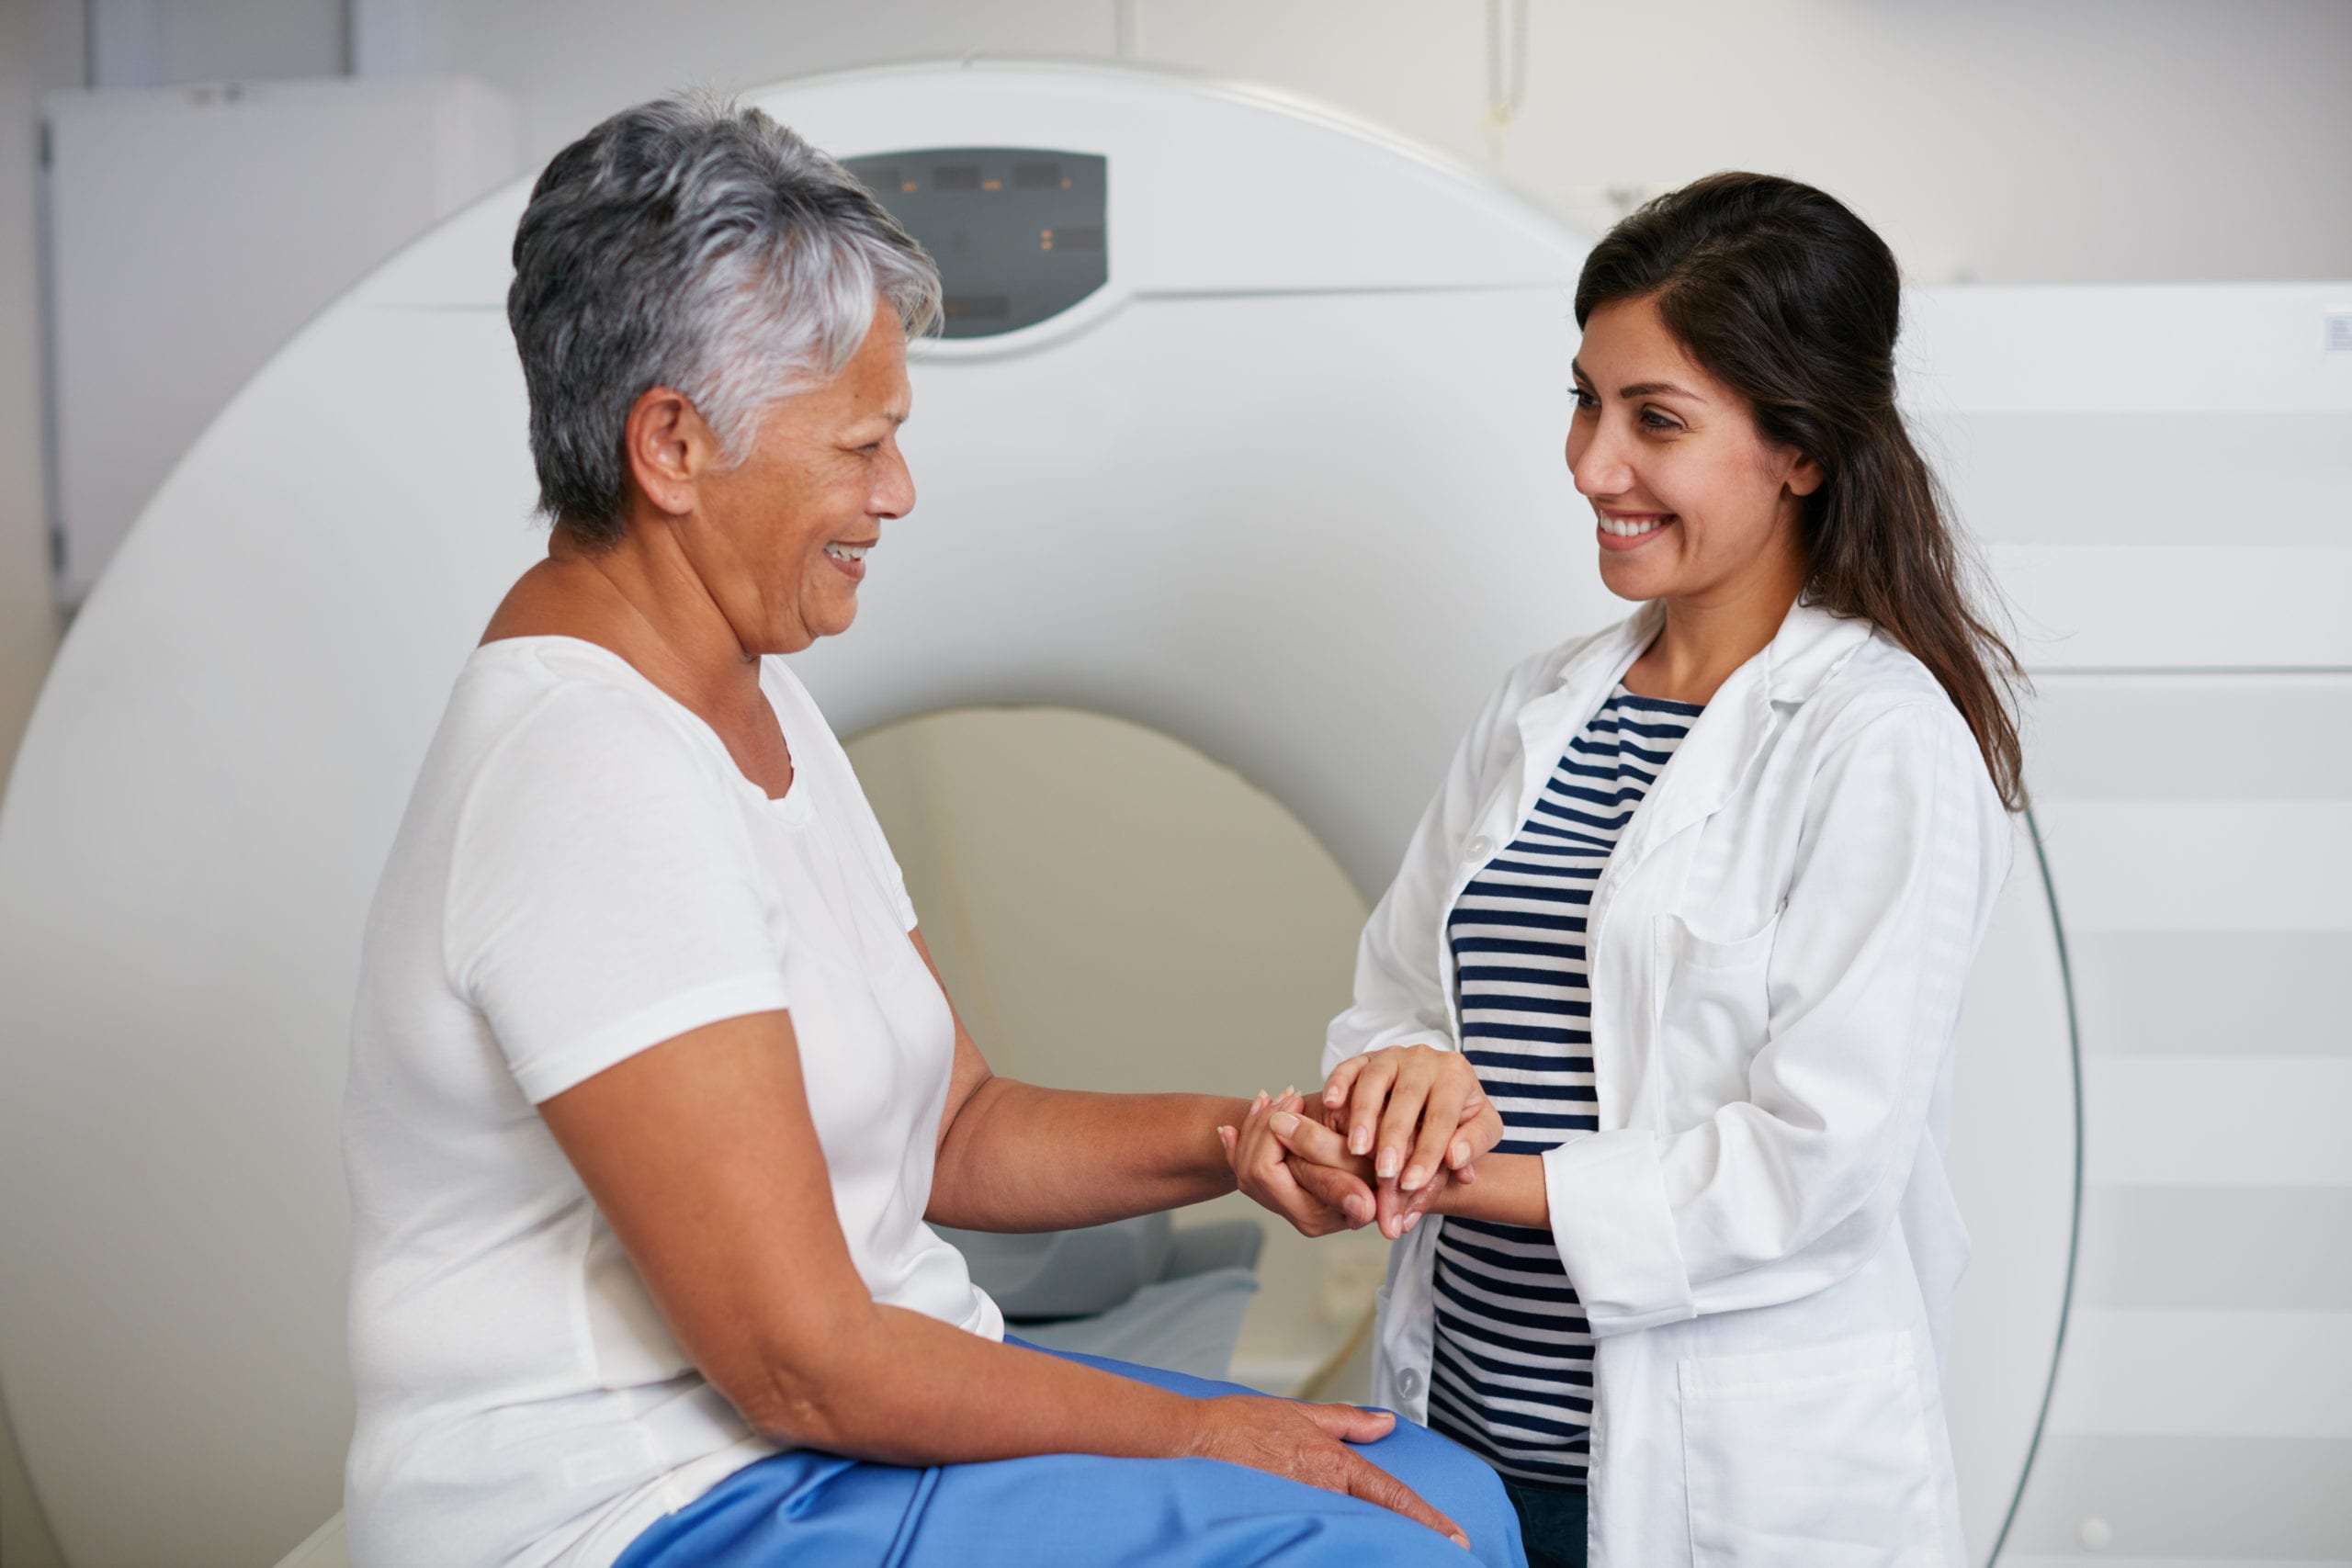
point(1264, 453)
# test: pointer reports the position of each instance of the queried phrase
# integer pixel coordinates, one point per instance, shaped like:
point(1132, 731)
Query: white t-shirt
point(583, 873)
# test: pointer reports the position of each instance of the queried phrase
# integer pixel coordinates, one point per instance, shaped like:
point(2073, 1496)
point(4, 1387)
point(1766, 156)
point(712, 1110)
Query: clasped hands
point(1383, 1140)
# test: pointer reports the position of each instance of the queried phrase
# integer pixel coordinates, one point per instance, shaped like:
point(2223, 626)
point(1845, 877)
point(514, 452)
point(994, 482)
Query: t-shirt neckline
point(1623, 694)
point(791, 808)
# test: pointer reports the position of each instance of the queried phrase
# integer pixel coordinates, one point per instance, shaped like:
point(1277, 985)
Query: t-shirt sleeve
point(602, 894)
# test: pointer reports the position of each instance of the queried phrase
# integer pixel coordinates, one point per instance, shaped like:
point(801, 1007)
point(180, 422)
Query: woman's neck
point(1708, 635)
point(639, 599)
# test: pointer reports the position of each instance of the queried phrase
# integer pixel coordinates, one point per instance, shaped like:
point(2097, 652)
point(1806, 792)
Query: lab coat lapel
point(1715, 755)
point(1706, 767)
point(1548, 722)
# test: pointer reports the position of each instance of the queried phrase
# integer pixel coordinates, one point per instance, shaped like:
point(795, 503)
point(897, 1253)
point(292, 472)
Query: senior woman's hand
point(1329, 1201)
point(1336, 1193)
point(1311, 1443)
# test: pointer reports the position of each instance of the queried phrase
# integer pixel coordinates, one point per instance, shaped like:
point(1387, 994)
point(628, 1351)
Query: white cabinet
point(192, 229)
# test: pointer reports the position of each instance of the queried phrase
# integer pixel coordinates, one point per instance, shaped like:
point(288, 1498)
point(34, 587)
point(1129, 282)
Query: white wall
point(2003, 140)
point(147, 43)
point(40, 47)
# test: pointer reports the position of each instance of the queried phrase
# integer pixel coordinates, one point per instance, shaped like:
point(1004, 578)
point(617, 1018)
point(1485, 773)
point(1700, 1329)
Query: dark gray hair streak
point(691, 244)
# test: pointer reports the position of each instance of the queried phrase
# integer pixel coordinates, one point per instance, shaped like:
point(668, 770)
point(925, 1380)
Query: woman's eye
point(1583, 400)
point(1653, 420)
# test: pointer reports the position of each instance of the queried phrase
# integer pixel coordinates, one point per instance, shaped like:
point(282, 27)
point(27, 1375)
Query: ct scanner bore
point(1286, 485)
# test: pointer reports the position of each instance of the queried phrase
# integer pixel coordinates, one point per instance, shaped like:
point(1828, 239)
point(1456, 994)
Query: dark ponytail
point(1781, 293)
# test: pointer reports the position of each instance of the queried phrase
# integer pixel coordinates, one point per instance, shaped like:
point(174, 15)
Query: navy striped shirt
point(1512, 1379)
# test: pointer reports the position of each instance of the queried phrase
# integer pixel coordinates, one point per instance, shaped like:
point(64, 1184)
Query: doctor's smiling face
point(1692, 503)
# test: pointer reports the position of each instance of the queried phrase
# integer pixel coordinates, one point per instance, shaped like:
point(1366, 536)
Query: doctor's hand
point(1415, 1112)
point(1311, 1443)
point(1319, 1163)
point(1333, 1201)
point(1289, 1159)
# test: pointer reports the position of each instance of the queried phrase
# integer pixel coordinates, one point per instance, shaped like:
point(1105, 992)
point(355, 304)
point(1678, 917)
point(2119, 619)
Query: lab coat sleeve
point(1399, 992)
point(1779, 1196)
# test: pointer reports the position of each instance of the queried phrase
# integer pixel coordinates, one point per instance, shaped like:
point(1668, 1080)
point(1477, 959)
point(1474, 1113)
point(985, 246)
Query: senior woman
point(653, 1084)
point(1695, 907)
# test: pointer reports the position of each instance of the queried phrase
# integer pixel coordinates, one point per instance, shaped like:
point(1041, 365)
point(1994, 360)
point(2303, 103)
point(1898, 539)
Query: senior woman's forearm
point(902, 1388)
point(1018, 1157)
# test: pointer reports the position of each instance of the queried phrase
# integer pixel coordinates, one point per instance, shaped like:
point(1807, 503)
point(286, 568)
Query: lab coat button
point(1482, 848)
point(1410, 1381)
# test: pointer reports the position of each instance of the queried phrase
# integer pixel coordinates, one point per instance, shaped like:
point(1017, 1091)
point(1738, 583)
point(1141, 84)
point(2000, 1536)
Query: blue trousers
point(1082, 1510)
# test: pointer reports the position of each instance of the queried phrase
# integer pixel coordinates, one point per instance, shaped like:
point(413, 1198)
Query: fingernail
point(1258, 1103)
point(1413, 1180)
point(1389, 1160)
point(1460, 1540)
point(1353, 1209)
point(1282, 1121)
point(1461, 1154)
point(1289, 1090)
point(1225, 1134)
point(1330, 1096)
point(1359, 1141)
point(1411, 1221)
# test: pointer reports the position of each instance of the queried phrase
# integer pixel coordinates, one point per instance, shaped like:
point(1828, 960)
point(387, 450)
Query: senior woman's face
point(781, 536)
point(1689, 500)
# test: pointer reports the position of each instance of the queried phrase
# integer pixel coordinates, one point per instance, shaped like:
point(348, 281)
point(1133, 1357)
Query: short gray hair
point(695, 244)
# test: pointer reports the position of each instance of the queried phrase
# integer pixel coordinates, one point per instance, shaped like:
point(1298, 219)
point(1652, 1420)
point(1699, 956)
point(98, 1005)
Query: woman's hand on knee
point(1311, 1443)
point(1334, 1201)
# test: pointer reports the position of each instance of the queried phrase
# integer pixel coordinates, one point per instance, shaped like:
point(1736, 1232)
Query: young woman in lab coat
point(1694, 908)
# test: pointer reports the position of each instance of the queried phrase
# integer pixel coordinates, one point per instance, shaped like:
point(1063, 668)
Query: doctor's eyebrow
point(1655, 389)
point(1640, 388)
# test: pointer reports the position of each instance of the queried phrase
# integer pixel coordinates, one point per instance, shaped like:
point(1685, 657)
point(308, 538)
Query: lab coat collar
point(1810, 646)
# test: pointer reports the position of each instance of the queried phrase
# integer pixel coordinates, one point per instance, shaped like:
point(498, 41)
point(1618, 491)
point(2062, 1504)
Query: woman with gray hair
point(654, 1083)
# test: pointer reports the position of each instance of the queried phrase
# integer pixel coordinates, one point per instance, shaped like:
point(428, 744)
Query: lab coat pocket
point(1816, 1458)
point(1713, 1016)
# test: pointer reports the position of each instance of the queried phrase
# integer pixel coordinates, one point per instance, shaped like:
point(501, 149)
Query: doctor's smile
point(1628, 532)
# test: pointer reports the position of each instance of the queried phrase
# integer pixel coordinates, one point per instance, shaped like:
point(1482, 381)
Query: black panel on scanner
point(1018, 232)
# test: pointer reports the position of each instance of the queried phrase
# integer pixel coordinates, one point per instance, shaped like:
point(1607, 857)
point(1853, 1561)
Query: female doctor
point(1694, 908)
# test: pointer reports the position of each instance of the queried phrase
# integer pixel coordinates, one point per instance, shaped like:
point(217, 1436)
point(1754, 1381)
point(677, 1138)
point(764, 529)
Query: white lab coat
point(1760, 1231)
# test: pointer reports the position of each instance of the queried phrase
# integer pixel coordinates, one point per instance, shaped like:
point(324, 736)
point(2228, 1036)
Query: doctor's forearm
point(1508, 1192)
point(1019, 1157)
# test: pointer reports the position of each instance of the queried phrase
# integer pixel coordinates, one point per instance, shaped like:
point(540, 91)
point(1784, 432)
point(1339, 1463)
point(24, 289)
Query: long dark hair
point(1781, 293)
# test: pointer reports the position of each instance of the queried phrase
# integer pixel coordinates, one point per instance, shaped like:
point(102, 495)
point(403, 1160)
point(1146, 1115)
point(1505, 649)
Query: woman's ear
point(668, 448)
point(1804, 476)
